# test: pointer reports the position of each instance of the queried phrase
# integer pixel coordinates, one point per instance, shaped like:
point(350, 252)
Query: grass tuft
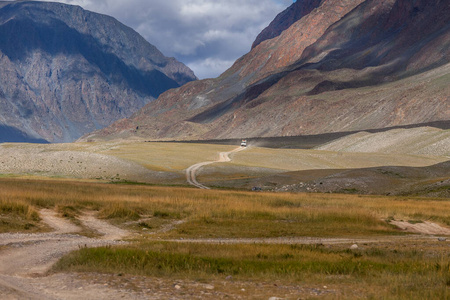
point(119, 211)
point(17, 216)
point(22, 210)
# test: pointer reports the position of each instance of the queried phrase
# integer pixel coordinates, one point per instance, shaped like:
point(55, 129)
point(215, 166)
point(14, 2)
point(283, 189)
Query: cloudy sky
point(206, 35)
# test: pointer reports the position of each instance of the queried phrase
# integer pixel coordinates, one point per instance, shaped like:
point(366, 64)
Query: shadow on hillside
point(308, 141)
point(13, 135)
point(430, 181)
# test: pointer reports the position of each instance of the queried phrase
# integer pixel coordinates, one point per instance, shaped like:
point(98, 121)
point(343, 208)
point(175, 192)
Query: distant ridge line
point(306, 141)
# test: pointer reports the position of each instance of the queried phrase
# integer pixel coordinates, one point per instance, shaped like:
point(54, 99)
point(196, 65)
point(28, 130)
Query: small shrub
point(284, 203)
point(161, 214)
point(145, 225)
point(415, 221)
point(68, 211)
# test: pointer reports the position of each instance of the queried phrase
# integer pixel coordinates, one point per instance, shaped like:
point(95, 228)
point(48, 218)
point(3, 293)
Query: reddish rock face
point(346, 65)
point(285, 19)
point(273, 55)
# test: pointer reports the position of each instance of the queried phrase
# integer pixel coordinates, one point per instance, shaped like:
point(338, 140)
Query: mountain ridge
point(347, 65)
point(68, 71)
point(285, 19)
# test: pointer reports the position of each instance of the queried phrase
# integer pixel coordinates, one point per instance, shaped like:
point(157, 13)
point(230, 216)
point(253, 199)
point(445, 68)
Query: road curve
point(25, 259)
point(192, 170)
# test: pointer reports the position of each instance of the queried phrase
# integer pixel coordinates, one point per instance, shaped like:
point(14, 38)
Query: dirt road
point(27, 257)
point(191, 172)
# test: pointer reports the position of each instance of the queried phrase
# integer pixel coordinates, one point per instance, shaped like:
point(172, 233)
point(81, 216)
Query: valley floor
point(26, 258)
point(117, 219)
point(397, 162)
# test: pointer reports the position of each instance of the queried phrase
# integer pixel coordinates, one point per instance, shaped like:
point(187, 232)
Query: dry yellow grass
point(171, 157)
point(401, 270)
point(231, 214)
point(297, 159)
point(165, 163)
point(18, 215)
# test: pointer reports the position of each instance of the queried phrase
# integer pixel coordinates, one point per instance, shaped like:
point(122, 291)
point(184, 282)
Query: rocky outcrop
point(286, 18)
point(348, 65)
point(66, 71)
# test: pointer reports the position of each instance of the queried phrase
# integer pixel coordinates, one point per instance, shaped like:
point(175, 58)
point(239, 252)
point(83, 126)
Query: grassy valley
point(316, 167)
point(270, 168)
point(209, 236)
point(233, 243)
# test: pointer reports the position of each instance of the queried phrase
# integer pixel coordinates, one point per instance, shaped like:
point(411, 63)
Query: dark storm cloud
point(207, 35)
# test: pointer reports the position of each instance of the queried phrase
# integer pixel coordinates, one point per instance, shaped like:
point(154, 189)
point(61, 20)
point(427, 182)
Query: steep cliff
point(66, 71)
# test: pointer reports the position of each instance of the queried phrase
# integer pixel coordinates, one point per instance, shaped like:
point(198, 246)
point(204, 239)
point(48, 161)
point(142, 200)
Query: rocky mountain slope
point(66, 71)
point(344, 65)
point(285, 19)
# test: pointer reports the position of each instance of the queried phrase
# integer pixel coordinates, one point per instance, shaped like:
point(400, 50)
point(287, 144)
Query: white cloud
point(210, 65)
point(207, 35)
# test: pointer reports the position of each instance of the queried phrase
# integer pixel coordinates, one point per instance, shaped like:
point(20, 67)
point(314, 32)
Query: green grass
point(260, 225)
point(257, 260)
point(399, 271)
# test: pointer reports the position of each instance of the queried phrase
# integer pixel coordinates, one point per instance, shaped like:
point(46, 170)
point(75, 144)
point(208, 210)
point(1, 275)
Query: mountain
point(341, 65)
point(66, 71)
point(286, 18)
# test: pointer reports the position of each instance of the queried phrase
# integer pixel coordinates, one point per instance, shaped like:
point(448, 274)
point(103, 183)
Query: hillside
point(67, 71)
point(417, 141)
point(344, 65)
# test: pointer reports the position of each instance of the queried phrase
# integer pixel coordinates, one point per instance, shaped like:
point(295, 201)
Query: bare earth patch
point(71, 161)
point(59, 225)
point(27, 257)
point(423, 228)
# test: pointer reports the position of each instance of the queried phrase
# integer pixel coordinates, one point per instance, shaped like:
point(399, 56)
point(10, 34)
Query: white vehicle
point(244, 143)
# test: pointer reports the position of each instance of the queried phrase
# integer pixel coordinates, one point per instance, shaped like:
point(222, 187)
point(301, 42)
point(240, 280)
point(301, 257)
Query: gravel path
point(309, 240)
point(191, 172)
point(27, 257)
